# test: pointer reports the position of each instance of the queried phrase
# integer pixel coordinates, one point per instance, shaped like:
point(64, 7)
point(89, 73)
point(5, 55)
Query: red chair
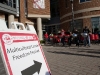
point(66, 38)
point(55, 36)
point(96, 37)
point(56, 40)
point(81, 38)
point(92, 37)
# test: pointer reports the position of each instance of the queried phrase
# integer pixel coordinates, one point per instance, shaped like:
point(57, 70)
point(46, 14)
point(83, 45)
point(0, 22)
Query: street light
point(72, 25)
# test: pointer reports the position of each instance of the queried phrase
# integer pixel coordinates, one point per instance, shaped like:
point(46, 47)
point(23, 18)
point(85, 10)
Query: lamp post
point(72, 25)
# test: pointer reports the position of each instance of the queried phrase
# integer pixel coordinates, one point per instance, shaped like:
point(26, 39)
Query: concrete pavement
point(73, 60)
point(2, 69)
point(70, 61)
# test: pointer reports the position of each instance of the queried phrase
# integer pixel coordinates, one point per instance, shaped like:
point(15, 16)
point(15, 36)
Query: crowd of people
point(74, 37)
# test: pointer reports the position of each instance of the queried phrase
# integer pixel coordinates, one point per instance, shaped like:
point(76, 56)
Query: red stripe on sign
point(44, 58)
point(23, 40)
point(6, 58)
point(8, 65)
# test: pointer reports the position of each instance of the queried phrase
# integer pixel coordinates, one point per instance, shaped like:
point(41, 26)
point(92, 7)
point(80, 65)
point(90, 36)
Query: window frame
point(84, 1)
point(95, 20)
point(78, 24)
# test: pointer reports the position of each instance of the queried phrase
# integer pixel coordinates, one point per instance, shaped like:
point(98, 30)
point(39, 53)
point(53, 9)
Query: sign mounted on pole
point(23, 54)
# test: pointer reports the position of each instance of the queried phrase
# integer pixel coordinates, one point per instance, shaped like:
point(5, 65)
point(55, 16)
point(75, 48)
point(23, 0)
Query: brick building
point(31, 12)
point(54, 22)
point(86, 13)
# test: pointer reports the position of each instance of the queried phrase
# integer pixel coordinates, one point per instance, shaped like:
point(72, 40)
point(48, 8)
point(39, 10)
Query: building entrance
point(95, 24)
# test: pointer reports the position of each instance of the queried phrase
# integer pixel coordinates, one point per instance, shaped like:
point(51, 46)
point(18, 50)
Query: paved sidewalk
point(73, 60)
point(2, 69)
point(70, 61)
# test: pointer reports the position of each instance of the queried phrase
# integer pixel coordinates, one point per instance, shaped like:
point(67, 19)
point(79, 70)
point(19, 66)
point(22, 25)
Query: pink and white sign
point(39, 4)
point(23, 54)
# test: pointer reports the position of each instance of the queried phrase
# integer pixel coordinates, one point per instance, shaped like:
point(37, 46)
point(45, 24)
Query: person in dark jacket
point(76, 36)
point(70, 39)
point(86, 38)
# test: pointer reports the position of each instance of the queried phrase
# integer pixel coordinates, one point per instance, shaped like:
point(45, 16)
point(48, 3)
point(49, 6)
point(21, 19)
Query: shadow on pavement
point(94, 51)
point(99, 67)
point(68, 53)
point(84, 48)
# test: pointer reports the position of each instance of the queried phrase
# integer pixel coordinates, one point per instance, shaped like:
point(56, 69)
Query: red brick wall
point(79, 6)
point(22, 12)
point(90, 4)
point(32, 10)
point(86, 22)
point(65, 26)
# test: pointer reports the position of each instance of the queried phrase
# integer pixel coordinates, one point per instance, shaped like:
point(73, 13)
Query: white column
point(17, 7)
point(10, 19)
point(39, 28)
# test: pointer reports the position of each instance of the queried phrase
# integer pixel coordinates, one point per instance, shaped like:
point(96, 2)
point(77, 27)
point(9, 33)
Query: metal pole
point(72, 16)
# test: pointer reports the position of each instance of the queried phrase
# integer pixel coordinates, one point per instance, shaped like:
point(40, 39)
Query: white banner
point(23, 54)
point(39, 4)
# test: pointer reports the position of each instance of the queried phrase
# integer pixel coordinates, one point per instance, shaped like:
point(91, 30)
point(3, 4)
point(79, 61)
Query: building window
point(78, 24)
point(4, 2)
point(11, 3)
point(66, 3)
point(54, 9)
point(84, 1)
point(14, 3)
point(95, 24)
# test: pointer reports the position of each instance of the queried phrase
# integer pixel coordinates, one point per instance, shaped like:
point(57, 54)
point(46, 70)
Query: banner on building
point(39, 4)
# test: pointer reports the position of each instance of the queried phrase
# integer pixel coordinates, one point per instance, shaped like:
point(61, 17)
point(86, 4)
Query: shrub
point(42, 41)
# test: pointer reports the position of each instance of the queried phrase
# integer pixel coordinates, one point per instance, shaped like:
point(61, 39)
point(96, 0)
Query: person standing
point(51, 38)
point(46, 36)
point(86, 32)
point(70, 38)
point(76, 37)
point(63, 37)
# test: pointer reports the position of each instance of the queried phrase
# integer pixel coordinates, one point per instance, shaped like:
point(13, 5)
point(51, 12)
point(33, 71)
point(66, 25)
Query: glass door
point(95, 24)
